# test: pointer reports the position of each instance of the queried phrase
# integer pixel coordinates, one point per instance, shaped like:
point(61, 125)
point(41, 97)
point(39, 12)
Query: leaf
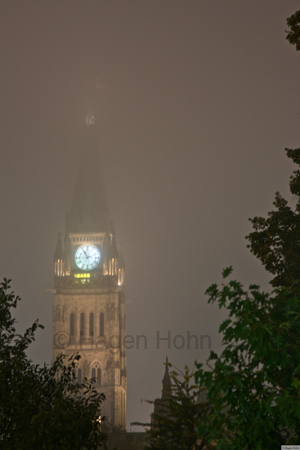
point(226, 272)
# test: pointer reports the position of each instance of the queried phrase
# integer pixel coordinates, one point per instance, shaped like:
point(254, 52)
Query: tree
point(41, 407)
point(276, 240)
point(293, 35)
point(253, 387)
point(176, 417)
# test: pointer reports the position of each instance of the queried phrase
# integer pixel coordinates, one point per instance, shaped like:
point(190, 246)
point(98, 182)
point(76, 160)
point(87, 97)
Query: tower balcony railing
point(86, 340)
point(92, 282)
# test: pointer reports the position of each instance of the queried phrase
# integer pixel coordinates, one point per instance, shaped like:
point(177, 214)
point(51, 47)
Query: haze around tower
point(194, 103)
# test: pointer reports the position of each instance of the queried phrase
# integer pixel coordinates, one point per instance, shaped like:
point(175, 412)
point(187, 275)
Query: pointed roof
point(121, 258)
point(89, 210)
point(113, 248)
point(166, 382)
point(59, 252)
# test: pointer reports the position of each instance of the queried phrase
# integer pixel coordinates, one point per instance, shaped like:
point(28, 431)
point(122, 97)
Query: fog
point(194, 103)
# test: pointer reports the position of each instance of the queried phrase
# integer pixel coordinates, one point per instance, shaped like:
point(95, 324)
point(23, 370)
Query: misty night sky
point(194, 103)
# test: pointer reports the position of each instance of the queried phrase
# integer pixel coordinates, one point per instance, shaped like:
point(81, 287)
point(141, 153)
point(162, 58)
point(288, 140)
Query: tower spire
point(59, 258)
point(59, 252)
point(89, 210)
point(166, 382)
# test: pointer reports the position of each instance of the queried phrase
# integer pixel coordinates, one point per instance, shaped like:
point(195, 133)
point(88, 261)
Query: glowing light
point(89, 120)
point(82, 275)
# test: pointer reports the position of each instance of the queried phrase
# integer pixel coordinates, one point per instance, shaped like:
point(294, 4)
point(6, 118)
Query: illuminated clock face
point(87, 257)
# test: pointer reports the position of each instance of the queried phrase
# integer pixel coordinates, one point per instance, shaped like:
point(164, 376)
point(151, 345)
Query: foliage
point(174, 425)
point(276, 240)
point(41, 407)
point(254, 386)
point(293, 35)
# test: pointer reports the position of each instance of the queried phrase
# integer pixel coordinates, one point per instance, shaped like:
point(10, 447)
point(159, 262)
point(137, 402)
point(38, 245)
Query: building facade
point(89, 301)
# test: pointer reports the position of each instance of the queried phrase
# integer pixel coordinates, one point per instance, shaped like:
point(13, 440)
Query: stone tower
point(89, 305)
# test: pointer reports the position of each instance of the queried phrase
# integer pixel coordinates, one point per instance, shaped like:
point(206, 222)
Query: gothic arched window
point(99, 376)
point(57, 314)
point(72, 324)
point(91, 324)
point(96, 373)
point(82, 324)
point(101, 324)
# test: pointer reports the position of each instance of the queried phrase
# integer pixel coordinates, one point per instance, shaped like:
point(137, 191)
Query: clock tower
point(89, 302)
